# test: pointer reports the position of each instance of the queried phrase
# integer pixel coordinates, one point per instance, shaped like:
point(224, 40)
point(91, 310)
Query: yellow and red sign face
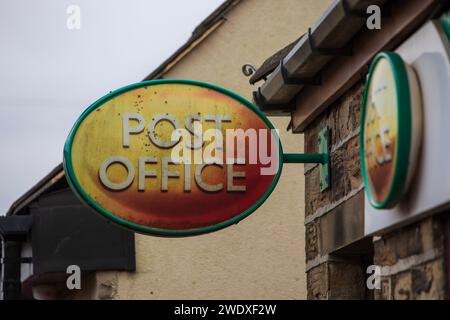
point(380, 130)
point(120, 157)
point(390, 129)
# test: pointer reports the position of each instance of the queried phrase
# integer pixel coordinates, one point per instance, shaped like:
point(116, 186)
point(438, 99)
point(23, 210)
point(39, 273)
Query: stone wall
point(330, 276)
point(412, 258)
point(412, 261)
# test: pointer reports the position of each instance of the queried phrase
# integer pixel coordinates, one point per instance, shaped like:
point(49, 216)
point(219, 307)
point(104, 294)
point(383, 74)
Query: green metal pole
point(322, 158)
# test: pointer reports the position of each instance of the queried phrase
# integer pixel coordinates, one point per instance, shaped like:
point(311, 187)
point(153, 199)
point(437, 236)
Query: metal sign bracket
point(322, 158)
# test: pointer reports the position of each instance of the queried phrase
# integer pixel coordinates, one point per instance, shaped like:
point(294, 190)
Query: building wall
point(330, 276)
point(263, 256)
point(413, 257)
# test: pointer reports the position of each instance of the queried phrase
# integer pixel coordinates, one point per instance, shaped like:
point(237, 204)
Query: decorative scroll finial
point(248, 69)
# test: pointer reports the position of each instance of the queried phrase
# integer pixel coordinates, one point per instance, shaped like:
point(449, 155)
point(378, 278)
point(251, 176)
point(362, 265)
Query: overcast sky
point(49, 73)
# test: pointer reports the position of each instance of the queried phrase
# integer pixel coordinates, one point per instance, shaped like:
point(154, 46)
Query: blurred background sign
point(427, 53)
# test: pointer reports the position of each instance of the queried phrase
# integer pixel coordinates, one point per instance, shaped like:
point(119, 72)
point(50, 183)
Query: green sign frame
point(85, 198)
point(404, 124)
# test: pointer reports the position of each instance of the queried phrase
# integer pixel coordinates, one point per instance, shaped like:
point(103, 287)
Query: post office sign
point(173, 157)
point(391, 126)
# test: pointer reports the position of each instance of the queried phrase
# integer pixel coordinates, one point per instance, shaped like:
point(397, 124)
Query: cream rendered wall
point(263, 256)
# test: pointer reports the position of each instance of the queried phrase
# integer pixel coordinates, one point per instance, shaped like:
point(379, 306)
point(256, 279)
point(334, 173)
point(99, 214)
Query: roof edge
point(199, 33)
point(44, 184)
point(302, 65)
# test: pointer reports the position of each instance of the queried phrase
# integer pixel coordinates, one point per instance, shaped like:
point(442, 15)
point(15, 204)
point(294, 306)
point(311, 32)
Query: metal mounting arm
point(322, 158)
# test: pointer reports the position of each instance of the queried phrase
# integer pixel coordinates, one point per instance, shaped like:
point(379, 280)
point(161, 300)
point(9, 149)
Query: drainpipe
point(13, 232)
point(11, 285)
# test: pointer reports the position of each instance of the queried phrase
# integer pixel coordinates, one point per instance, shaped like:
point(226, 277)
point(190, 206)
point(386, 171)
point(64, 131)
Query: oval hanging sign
point(173, 157)
point(390, 132)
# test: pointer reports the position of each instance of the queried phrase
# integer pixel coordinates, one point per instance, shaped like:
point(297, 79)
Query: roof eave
point(330, 37)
